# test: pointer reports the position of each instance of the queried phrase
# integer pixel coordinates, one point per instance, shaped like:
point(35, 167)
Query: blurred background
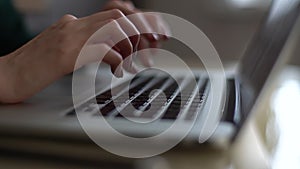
point(229, 24)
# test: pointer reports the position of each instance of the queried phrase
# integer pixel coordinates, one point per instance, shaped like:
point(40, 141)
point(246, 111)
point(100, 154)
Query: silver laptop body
point(50, 114)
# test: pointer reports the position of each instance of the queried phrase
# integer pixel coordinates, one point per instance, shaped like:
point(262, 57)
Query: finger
point(154, 45)
point(117, 34)
point(166, 29)
point(113, 31)
point(112, 45)
point(144, 27)
point(144, 55)
point(128, 63)
point(129, 5)
point(144, 43)
point(102, 52)
point(114, 59)
point(159, 25)
point(127, 26)
point(139, 21)
point(131, 31)
point(145, 58)
point(105, 15)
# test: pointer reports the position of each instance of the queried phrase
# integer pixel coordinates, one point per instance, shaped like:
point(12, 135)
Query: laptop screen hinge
point(231, 101)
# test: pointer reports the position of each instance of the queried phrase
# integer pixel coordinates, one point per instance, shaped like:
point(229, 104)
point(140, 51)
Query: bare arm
point(53, 53)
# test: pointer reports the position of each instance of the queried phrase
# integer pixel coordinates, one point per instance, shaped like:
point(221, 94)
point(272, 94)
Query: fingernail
point(155, 36)
point(119, 72)
point(166, 37)
point(133, 68)
point(150, 62)
point(117, 49)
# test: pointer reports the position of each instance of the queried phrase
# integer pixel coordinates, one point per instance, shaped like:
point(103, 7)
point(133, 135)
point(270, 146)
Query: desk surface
point(268, 140)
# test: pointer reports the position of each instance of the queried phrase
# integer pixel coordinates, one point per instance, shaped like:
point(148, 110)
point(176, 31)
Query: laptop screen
point(264, 50)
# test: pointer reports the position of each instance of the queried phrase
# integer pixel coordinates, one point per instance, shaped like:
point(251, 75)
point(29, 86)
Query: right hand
point(54, 52)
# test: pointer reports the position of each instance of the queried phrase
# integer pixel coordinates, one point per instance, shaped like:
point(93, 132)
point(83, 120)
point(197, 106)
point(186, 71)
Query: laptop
point(162, 98)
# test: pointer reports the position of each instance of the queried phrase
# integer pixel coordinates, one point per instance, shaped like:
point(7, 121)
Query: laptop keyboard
point(149, 97)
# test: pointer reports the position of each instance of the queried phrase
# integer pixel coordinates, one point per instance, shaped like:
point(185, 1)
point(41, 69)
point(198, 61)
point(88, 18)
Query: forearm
point(23, 74)
point(7, 94)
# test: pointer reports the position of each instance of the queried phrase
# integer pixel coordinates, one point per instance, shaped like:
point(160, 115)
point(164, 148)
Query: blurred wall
point(39, 14)
point(296, 55)
point(229, 27)
point(229, 24)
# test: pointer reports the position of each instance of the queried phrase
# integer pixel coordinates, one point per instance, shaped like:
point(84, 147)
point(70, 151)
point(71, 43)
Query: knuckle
point(114, 24)
point(112, 21)
point(118, 59)
point(131, 48)
point(137, 34)
point(65, 29)
point(67, 18)
point(107, 23)
point(116, 13)
point(66, 22)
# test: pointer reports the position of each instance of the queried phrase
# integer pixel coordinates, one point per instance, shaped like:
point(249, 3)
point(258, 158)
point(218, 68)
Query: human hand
point(54, 52)
point(144, 22)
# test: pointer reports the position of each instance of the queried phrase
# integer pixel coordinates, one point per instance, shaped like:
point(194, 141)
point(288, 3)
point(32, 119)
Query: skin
point(53, 53)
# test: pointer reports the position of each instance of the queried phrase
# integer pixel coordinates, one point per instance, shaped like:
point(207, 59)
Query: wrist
point(7, 94)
